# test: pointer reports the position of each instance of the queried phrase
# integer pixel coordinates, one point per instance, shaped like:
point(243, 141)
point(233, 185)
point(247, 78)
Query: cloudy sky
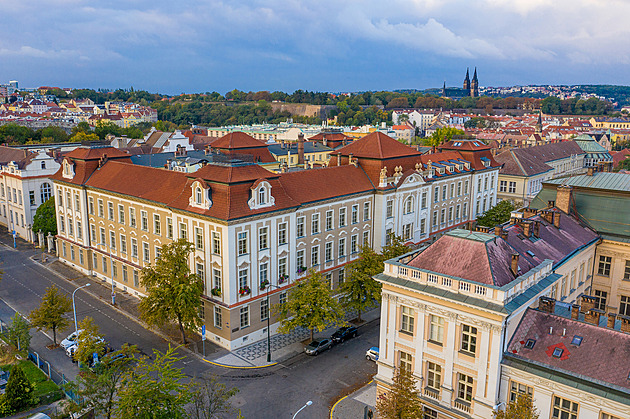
point(323, 45)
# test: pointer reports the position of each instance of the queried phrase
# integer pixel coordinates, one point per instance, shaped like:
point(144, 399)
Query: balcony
point(462, 405)
point(431, 392)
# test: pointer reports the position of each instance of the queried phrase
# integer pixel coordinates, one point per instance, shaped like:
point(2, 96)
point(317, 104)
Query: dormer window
point(261, 196)
point(200, 197)
point(68, 169)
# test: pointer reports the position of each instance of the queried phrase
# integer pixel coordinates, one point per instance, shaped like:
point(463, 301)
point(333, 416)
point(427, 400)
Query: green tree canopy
point(442, 135)
point(19, 334)
point(19, 393)
point(395, 248)
point(89, 342)
point(360, 290)
point(50, 313)
point(402, 401)
point(173, 293)
point(310, 305)
point(521, 408)
point(496, 215)
point(211, 399)
point(45, 218)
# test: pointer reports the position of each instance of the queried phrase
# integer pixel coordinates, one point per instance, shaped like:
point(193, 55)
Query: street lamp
point(111, 270)
point(74, 308)
point(308, 403)
point(268, 323)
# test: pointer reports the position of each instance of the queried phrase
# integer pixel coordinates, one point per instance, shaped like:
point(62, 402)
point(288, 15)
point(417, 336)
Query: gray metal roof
point(599, 180)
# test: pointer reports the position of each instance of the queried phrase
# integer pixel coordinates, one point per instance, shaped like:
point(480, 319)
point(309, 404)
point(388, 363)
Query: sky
point(186, 46)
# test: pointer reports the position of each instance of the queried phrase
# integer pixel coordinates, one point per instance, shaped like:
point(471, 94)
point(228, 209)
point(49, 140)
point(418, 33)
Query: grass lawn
point(46, 390)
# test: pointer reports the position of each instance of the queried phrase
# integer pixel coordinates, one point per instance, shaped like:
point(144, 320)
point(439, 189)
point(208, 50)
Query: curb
point(218, 364)
point(332, 409)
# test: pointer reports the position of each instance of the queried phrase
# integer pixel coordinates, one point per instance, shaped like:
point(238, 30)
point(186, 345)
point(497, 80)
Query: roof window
point(530, 343)
point(557, 353)
point(577, 340)
point(529, 252)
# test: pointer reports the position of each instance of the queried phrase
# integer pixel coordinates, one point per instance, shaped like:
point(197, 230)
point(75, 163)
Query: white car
point(372, 354)
point(70, 350)
point(71, 340)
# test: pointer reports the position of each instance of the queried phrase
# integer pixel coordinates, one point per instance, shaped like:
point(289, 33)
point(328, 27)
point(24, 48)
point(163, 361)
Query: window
point(136, 278)
point(314, 255)
point(464, 387)
point(263, 272)
point(100, 208)
point(512, 188)
point(436, 194)
point(607, 416)
point(282, 233)
point(502, 185)
point(81, 256)
point(110, 211)
point(121, 214)
point(353, 244)
point(457, 208)
point(102, 240)
point(407, 232)
point(243, 275)
point(406, 320)
point(198, 196)
point(435, 218)
point(564, 409)
point(389, 208)
point(443, 216)
point(469, 339)
point(145, 252)
point(408, 206)
point(424, 200)
point(459, 188)
point(201, 273)
point(451, 190)
point(434, 376)
point(517, 389)
point(283, 298)
point(436, 332)
point(183, 231)
point(144, 221)
point(354, 214)
point(169, 228)
point(342, 217)
point(600, 299)
point(624, 305)
point(485, 182)
point(216, 243)
point(134, 248)
point(31, 197)
point(466, 188)
point(282, 268)
point(264, 309)
point(45, 192)
point(342, 275)
point(444, 191)
point(70, 226)
point(430, 413)
point(263, 242)
point(68, 199)
point(478, 184)
point(299, 260)
point(104, 264)
point(314, 223)
point(261, 196)
point(342, 247)
point(423, 226)
point(328, 252)
point(93, 232)
point(242, 243)
point(132, 217)
point(450, 214)
point(329, 220)
point(406, 361)
point(626, 272)
point(112, 240)
point(366, 211)
point(244, 316)
point(123, 243)
point(157, 225)
point(366, 237)
point(79, 231)
point(300, 227)
point(604, 265)
point(198, 238)
point(216, 278)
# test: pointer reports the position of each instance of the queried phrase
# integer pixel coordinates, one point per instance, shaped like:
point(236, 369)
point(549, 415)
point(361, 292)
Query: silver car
point(317, 346)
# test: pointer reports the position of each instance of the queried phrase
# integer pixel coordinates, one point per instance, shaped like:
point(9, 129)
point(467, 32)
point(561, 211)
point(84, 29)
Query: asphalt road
point(274, 392)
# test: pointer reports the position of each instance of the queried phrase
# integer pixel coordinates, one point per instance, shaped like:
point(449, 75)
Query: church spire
point(475, 75)
point(538, 128)
point(467, 80)
point(474, 85)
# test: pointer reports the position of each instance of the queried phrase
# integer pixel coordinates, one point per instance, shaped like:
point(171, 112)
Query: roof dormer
point(200, 197)
point(68, 169)
point(261, 196)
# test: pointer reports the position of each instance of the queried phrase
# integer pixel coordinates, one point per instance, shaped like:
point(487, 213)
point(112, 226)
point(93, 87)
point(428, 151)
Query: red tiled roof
point(95, 153)
point(237, 139)
point(377, 145)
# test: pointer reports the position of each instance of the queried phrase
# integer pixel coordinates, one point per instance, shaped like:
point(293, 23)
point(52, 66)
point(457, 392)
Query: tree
point(395, 248)
point(360, 290)
point(496, 215)
point(211, 399)
point(19, 334)
point(402, 401)
point(80, 137)
point(89, 342)
point(82, 127)
point(50, 313)
point(45, 219)
point(521, 408)
point(442, 135)
point(100, 385)
point(310, 304)
point(172, 292)
point(154, 389)
point(20, 393)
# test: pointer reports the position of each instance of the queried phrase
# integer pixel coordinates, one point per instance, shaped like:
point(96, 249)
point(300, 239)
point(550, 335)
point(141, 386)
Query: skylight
point(577, 340)
point(529, 252)
point(530, 343)
point(557, 353)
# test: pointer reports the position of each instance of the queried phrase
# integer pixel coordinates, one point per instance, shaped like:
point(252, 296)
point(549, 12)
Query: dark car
point(317, 346)
point(344, 333)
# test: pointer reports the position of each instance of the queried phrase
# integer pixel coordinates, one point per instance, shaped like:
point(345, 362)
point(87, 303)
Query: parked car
point(372, 354)
point(344, 333)
point(70, 350)
point(70, 340)
point(317, 346)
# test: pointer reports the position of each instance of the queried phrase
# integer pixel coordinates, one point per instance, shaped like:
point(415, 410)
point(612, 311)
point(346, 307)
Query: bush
point(20, 393)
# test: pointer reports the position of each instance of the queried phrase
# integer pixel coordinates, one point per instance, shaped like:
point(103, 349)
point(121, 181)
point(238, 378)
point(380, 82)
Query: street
point(273, 392)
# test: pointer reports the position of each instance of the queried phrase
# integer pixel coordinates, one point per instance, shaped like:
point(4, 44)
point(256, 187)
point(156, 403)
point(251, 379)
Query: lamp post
point(74, 308)
point(268, 323)
point(308, 403)
point(111, 270)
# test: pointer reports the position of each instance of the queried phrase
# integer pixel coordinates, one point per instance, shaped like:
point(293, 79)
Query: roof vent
point(530, 343)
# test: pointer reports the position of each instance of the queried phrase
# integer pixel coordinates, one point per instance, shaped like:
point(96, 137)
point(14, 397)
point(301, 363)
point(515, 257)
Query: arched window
point(261, 196)
point(198, 195)
point(45, 192)
point(43, 165)
point(408, 207)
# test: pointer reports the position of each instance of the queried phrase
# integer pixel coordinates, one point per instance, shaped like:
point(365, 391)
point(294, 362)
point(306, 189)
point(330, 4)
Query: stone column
point(40, 239)
point(51, 243)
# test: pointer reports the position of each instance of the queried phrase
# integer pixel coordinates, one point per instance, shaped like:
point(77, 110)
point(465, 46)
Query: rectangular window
point(564, 409)
point(512, 188)
point(282, 269)
point(353, 244)
point(502, 185)
point(342, 275)
point(263, 272)
point(136, 278)
point(216, 279)
point(469, 339)
point(451, 190)
point(366, 237)
point(123, 243)
point(459, 188)
point(144, 221)
point(70, 227)
point(407, 232)
point(183, 231)
point(464, 387)
point(282, 233)
point(517, 390)
point(457, 208)
point(157, 225)
point(436, 329)
point(299, 260)
point(466, 188)
point(450, 214)
point(112, 240)
point(216, 243)
point(132, 217)
point(604, 265)
point(81, 256)
point(283, 298)
point(299, 230)
point(423, 227)
point(198, 238)
point(104, 264)
point(314, 223)
point(264, 309)
point(31, 197)
point(435, 218)
point(93, 232)
point(91, 205)
point(342, 247)
point(434, 376)
point(145, 252)
point(328, 252)
point(102, 241)
point(314, 255)
point(465, 210)
point(624, 305)
point(79, 231)
point(134, 248)
point(263, 238)
point(389, 208)
point(573, 279)
point(444, 191)
point(244, 316)
point(242, 243)
point(406, 320)
point(355, 214)
point(436, 194)
point(366, 211)
point(110, 211)
point(485, 183)
point(424, 200)
point(406, 361)
point(72, 252)
point(201, 272)
point(329, 220)
point(218, 317)
point(100, 208)
point(169, 228)
point(121, 214)
point(342, 217)
point(243, 276)
point(626, 272)
point(68, 199)
point(443, 216)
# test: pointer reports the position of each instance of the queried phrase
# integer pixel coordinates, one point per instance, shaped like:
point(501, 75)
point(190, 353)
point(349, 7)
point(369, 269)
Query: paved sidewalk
point(353, 405)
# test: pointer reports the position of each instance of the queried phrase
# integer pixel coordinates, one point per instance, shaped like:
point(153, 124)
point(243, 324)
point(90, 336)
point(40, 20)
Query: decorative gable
point(261, 196)
point(200, 197)
point(68, 169)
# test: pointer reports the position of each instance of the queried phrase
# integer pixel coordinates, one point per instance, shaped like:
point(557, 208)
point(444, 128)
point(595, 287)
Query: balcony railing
point(462, 405)
point(431, 392)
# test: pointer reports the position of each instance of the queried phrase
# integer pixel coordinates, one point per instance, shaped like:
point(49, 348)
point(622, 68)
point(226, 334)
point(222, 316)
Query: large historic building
point(470, 88)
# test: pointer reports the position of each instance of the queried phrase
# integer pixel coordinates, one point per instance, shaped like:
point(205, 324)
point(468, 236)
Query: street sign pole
point(203, 339)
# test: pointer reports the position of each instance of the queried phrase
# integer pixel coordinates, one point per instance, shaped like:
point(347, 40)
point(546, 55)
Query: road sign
point(203, 332)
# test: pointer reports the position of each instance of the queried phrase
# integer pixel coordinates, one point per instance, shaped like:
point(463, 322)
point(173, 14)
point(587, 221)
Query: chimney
point(339, 158)
point(546, 304)
point(575, 311)
point(536, 229)
point(498, 230)
point(611, 320)
point(548, 216)
point(556, 219)
point(587, 303)
point(625, 324)
point(345, 141)
point(563, 198)
point(300, 145)
point(528, 212)
point(589, 171)
point(592, 316)
point(551, 204)
point(504, 234)
point(527, 228)
point(514, 264)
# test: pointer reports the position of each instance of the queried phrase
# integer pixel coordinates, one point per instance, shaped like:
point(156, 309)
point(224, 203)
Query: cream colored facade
point(611, 277)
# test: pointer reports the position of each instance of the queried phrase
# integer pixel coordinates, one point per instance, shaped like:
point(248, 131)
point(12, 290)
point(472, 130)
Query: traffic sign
point(203, 332)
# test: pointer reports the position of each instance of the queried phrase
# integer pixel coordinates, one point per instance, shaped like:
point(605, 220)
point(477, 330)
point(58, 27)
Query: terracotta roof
point(95, 153)
point(19, 156)
point(531, 161)
point(233, 173)
point(377, 145)
point(237, 139)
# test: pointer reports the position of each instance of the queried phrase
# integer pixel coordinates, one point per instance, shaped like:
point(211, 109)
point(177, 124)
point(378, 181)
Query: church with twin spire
point(469, 89)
